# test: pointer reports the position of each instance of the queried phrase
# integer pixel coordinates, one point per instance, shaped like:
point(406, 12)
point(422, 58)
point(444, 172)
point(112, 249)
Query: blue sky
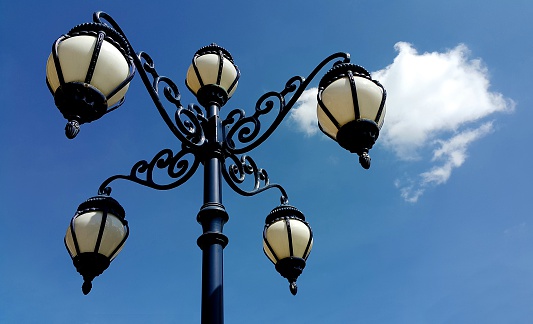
point(437, 231)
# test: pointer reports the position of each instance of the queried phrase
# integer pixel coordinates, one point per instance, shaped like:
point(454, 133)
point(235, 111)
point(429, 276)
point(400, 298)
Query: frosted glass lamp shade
point(351, 108)
point(96, 235)
point(287, 242)
point(88, 72)
point(212, 75)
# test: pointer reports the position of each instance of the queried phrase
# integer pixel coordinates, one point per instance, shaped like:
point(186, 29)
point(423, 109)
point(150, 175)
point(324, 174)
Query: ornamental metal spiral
point(177, 165)
point(248, 129)
point(188, 131)
point(235, 175)
point(241, 134)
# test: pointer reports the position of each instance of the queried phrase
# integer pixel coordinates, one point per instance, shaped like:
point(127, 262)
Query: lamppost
point(88, 73)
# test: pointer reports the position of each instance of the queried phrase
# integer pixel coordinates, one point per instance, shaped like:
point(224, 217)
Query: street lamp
point(287, 242)
point(89, 71)
point(351, 105)
point(95, 236)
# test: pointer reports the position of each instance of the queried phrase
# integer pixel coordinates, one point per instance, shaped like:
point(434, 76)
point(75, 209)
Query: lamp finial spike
point(293, 287)
point(72, 128)
point(86, 287)
point(364, 160)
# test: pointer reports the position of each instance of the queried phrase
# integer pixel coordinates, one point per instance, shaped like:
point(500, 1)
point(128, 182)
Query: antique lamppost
point(88, 73)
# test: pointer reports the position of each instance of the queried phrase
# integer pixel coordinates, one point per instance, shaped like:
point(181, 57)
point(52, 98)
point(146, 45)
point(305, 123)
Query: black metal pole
point(212, 217)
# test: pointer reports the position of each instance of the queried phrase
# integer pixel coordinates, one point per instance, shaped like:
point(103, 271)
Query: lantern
point(287, 242)
point(88, 72)
point(212, 75)
point(96, 235)
point(351, 109)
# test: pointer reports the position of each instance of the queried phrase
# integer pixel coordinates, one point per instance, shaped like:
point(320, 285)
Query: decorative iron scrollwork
point(177, 165)
point(188, 131)
point(248, 129)
point(235, 175)
point(241, 134)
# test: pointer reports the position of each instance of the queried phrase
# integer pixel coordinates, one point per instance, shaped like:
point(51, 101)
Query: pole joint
point(210, 238)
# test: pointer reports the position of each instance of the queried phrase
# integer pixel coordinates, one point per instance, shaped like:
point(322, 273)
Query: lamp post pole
point(89, 71)
point(212, 217)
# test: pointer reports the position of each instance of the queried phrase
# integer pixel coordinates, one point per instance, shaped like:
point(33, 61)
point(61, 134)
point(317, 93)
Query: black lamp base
point(291, 268)
point(358, 137)
point(90, 265)
point(79, 103)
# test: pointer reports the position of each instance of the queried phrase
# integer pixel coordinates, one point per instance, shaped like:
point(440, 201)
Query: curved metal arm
point(177, 168)
point(236, 173)
point(249, 128)
point(189, 131)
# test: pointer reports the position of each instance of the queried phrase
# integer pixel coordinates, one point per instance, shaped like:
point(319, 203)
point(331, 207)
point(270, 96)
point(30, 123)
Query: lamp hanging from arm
point(96, 235)
point(287, 242)
point(88, 72)
point(351, 108)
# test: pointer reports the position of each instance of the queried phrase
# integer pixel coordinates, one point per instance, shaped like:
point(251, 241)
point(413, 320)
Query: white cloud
point(432, 99)
point(435, 101)
point(448, 155)
point(453, 153)
point(303, 115)
point(432, 94)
